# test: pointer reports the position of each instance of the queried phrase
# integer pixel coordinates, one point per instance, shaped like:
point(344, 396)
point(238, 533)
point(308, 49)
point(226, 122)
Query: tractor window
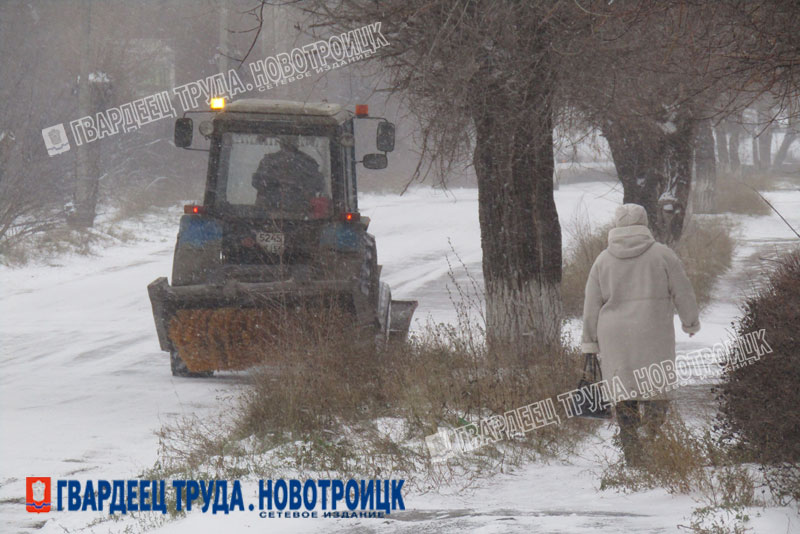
point(278, 173)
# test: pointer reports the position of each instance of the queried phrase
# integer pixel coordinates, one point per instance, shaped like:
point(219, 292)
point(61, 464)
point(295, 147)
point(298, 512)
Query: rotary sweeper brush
point(278, 244)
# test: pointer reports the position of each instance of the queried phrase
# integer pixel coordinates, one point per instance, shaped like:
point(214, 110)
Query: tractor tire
point(178, 367)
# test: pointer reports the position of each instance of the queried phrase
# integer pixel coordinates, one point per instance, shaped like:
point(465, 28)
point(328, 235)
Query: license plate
point(271, 242)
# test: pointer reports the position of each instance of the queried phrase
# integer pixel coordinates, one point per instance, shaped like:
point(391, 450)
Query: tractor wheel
point(179, 368)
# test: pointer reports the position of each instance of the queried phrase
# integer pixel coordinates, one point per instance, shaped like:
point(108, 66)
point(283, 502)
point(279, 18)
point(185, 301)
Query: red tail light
point(191, 209)
point(351, 216)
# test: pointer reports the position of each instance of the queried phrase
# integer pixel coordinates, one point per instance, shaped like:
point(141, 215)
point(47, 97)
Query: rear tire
point(179, 368)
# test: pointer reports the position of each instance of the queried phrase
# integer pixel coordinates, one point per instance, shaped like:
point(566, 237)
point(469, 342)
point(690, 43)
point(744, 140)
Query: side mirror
point(385, 138)
point(183, 132)
point(375, 161)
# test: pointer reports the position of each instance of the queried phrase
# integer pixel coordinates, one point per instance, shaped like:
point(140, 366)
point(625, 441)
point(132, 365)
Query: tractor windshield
point(284, 175)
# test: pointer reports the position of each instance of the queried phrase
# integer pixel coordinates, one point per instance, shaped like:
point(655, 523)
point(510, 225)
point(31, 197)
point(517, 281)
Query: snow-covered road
point(84, 386)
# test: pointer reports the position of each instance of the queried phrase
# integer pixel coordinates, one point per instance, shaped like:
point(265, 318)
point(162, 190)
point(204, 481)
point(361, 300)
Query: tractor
point(278, 232)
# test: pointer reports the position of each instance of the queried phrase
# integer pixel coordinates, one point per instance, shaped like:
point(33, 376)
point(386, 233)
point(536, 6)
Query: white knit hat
point(630, 215)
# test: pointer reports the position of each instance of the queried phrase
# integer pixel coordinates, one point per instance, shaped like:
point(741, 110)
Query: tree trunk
point(733, 148)
point(788, 138)
point(674, 199)
point(765, 150)
point(764, 139)
point(655, 168)
point(520, 232)
point(780, 156)
point(754, 149)
point(85, 174)
point(705, 168)
point(721, 135)
point(636, 155)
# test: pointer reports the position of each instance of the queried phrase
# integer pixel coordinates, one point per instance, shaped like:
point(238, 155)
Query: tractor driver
point(288, 179)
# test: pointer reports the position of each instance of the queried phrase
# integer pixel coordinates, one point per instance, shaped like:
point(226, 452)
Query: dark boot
point(655, 413)
point(629, 420)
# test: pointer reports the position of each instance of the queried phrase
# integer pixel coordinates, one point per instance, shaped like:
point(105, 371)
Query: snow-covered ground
point(84, 386)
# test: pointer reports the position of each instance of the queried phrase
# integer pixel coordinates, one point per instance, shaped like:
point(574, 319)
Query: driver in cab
point(288, 180)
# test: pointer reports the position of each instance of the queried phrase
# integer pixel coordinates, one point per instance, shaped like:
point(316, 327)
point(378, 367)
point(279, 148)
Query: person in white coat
point(634, 287)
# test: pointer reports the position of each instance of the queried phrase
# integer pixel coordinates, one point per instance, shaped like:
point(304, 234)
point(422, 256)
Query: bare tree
point(487, 81)
point(763, 54)
point(648, 81)
point(765, 48)
point(482, 78)
point(33, 188)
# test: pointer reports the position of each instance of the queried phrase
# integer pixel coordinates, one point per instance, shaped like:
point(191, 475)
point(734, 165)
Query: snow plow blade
point(231, 327)
point(402, 312)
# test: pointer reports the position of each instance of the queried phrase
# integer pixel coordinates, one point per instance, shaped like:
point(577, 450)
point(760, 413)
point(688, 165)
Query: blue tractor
point(278, 230)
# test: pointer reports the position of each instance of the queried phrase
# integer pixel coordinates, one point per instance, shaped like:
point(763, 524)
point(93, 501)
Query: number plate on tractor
point(271, 242)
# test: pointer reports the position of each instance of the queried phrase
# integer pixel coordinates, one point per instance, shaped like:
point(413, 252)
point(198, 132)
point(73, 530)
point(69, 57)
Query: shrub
point(733, 195)
point(311, 380)
point(328, 391)
point(682, 459)
point(760, 401)
point(674, 460)
point(587, 244)
point(706, 250)
point(320, 403)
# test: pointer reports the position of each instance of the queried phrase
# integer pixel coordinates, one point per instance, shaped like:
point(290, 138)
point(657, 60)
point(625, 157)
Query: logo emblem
point(55, 139)
point(37, 494)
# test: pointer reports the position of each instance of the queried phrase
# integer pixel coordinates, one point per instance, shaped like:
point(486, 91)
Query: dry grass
point(60, 240)
point(49, 244)
point(587, 244)
point(736, 195)
point(686, 461)
point(706, 249)
point(762, 181)
point(322, 404)
point(311, 381)
point(675, 459)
